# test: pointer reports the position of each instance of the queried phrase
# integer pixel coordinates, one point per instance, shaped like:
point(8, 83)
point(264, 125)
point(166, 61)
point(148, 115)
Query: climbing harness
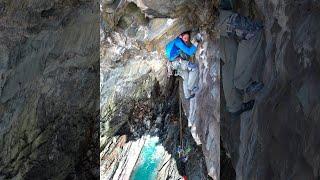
point(192, 66)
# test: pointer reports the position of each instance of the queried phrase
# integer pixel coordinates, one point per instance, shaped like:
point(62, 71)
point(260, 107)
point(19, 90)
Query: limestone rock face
point(279, 138)
point(49, 66)
point(135, 88)
point(133, 85)
point(203, 111)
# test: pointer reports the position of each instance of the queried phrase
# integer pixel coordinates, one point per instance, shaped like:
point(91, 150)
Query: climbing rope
point(180, 119)
point(183, 155)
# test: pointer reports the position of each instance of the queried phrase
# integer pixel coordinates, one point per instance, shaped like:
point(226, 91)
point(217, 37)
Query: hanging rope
point(180, 119)
point(182, 154)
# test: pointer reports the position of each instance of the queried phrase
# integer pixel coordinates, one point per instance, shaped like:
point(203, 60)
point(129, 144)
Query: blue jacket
point(174, 47)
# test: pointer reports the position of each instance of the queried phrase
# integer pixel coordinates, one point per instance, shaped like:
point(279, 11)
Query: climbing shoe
point(195, 89)
point(190, 97)
point(244, 107)
point(254, 87)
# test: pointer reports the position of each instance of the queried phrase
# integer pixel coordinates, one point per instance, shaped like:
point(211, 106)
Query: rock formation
point(49, 93)
point(135, 89)
point(49, 110)
point(278, 139)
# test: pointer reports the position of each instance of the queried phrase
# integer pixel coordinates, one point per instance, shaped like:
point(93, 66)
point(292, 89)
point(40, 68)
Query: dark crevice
point(166, 105)
point(47, 13)
point(226, 168)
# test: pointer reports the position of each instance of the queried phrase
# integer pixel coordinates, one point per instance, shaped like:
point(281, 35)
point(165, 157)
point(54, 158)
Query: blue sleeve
point(188, 50)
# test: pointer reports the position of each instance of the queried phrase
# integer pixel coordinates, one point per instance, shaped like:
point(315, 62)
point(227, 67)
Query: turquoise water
point(150, 157)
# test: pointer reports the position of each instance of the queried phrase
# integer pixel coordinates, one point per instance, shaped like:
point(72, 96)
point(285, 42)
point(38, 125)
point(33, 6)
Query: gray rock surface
point(278, 139)
point(134, 81)
point(49, 63)
point(203, 111)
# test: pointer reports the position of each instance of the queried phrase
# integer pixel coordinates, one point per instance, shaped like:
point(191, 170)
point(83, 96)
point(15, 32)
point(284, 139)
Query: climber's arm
point(187, 50)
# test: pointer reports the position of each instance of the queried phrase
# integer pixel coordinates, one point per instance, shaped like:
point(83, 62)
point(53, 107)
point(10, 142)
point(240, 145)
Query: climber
point(180, 53)
point(242, 56)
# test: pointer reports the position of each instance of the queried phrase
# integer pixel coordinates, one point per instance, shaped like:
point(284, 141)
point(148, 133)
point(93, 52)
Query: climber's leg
point(183, 72)
point(228, 50)
point(249, 58)
point(185, 77)
point(193, 79)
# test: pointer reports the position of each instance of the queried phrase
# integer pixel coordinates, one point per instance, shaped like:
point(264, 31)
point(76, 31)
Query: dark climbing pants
point(243, 63)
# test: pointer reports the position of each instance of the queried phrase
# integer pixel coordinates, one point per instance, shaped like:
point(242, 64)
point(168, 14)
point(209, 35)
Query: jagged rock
point(278, 139)
point(133, 69)
point(203, 111)
point(47, 62)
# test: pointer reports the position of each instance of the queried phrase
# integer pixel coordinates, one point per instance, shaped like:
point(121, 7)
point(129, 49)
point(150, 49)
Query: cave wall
point(134, 35)
point(133, 86)
point(49, 58)
point(203, 111)
point(278, 138)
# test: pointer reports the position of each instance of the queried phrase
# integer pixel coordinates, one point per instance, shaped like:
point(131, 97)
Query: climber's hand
point(199, 38)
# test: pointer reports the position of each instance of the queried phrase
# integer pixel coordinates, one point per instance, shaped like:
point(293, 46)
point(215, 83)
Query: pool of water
point(149, 159)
